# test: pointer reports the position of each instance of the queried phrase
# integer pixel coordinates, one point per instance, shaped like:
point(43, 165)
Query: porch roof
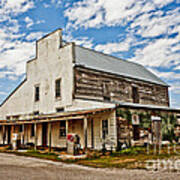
point(71, 115)
point(144, 106)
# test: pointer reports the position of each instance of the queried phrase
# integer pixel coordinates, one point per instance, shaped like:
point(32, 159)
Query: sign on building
point(135, 119)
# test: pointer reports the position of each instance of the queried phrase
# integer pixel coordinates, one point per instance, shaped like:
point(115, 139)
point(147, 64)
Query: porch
point(51, 130)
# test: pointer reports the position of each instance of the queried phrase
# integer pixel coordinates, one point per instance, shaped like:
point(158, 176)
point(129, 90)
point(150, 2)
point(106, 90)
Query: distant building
point(72, 89)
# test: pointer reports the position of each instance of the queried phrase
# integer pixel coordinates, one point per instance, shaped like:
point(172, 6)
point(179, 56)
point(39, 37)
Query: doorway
point(136, 132)
point(44, 134)
point(135, 95)
point(9, 134)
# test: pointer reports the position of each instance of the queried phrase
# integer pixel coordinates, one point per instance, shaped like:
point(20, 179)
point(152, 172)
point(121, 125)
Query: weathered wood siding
point(94, 85)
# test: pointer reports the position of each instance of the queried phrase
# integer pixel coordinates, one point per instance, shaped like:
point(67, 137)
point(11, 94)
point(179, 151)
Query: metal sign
point(155, 118)
point(135, 119)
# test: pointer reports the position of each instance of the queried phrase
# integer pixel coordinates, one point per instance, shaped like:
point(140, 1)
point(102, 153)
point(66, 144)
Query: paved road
point(24, 168)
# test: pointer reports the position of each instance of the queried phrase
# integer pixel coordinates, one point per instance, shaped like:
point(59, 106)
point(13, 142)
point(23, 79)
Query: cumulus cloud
point(14, 51)
point(16, 7)
point(82, 41)
point(92, 13)
point(14, 58)
point(29, 22)
point(160, 52)
point(115, 46)
point(34, 36)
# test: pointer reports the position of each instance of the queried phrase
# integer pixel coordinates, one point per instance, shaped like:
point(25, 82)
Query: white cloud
point(56, 2)
point(158, 53)
point(160, 3)
point(40, 21)
point(155, 23)
point(29, 22)
point(14, 59)
point(115, 46)
point(46, 5)
point(34, 36)
point(5, 73)
point(14, 49)
point(14, 7)
point(109, 12)
point(175, 88)
point(82, 41)
point(3, 93)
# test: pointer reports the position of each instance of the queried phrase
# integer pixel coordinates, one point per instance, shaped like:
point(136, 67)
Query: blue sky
point(142, 31)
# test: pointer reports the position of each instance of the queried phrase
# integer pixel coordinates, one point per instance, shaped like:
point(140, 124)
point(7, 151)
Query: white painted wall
point(79, 104)
point(52, 62)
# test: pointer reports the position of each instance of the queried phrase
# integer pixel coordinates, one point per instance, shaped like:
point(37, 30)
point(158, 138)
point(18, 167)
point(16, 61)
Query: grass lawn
point(132, 158)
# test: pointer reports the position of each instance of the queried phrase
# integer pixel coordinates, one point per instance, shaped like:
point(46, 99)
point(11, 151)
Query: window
point(58, 88)
point(135, 95)
point(16, 117)
point(106, 92)
point(32, 130)
point(59, 109)
point(36, 113)
point(21, 128)
point(36, 93)
point(104, 128)
point(62, 129)
point(8, 117)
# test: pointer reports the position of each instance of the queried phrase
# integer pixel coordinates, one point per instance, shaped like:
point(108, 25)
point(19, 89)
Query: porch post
point(4, 134)
point(85, 133)
point(23, 133)
point(67, 125)
point(50, 136)
point(35, 133)
point(92, 133)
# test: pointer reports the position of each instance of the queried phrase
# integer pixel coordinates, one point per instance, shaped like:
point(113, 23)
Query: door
point(44, 134)
point(157, 132)
point(135, 95)
point(9, 134)
point(136, 132)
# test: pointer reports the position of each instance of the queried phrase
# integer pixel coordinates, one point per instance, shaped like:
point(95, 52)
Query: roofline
point(58, 116)
point(13, 92)
point(135, 105)
point(119, 59)
point(83, 66)
point(48, 34)
point(31, 60)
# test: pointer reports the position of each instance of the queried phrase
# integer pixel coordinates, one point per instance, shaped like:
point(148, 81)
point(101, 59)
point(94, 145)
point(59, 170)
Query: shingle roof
point(106, 63)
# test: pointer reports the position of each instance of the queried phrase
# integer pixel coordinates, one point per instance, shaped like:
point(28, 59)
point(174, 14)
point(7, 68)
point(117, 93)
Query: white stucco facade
point(51, 63)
